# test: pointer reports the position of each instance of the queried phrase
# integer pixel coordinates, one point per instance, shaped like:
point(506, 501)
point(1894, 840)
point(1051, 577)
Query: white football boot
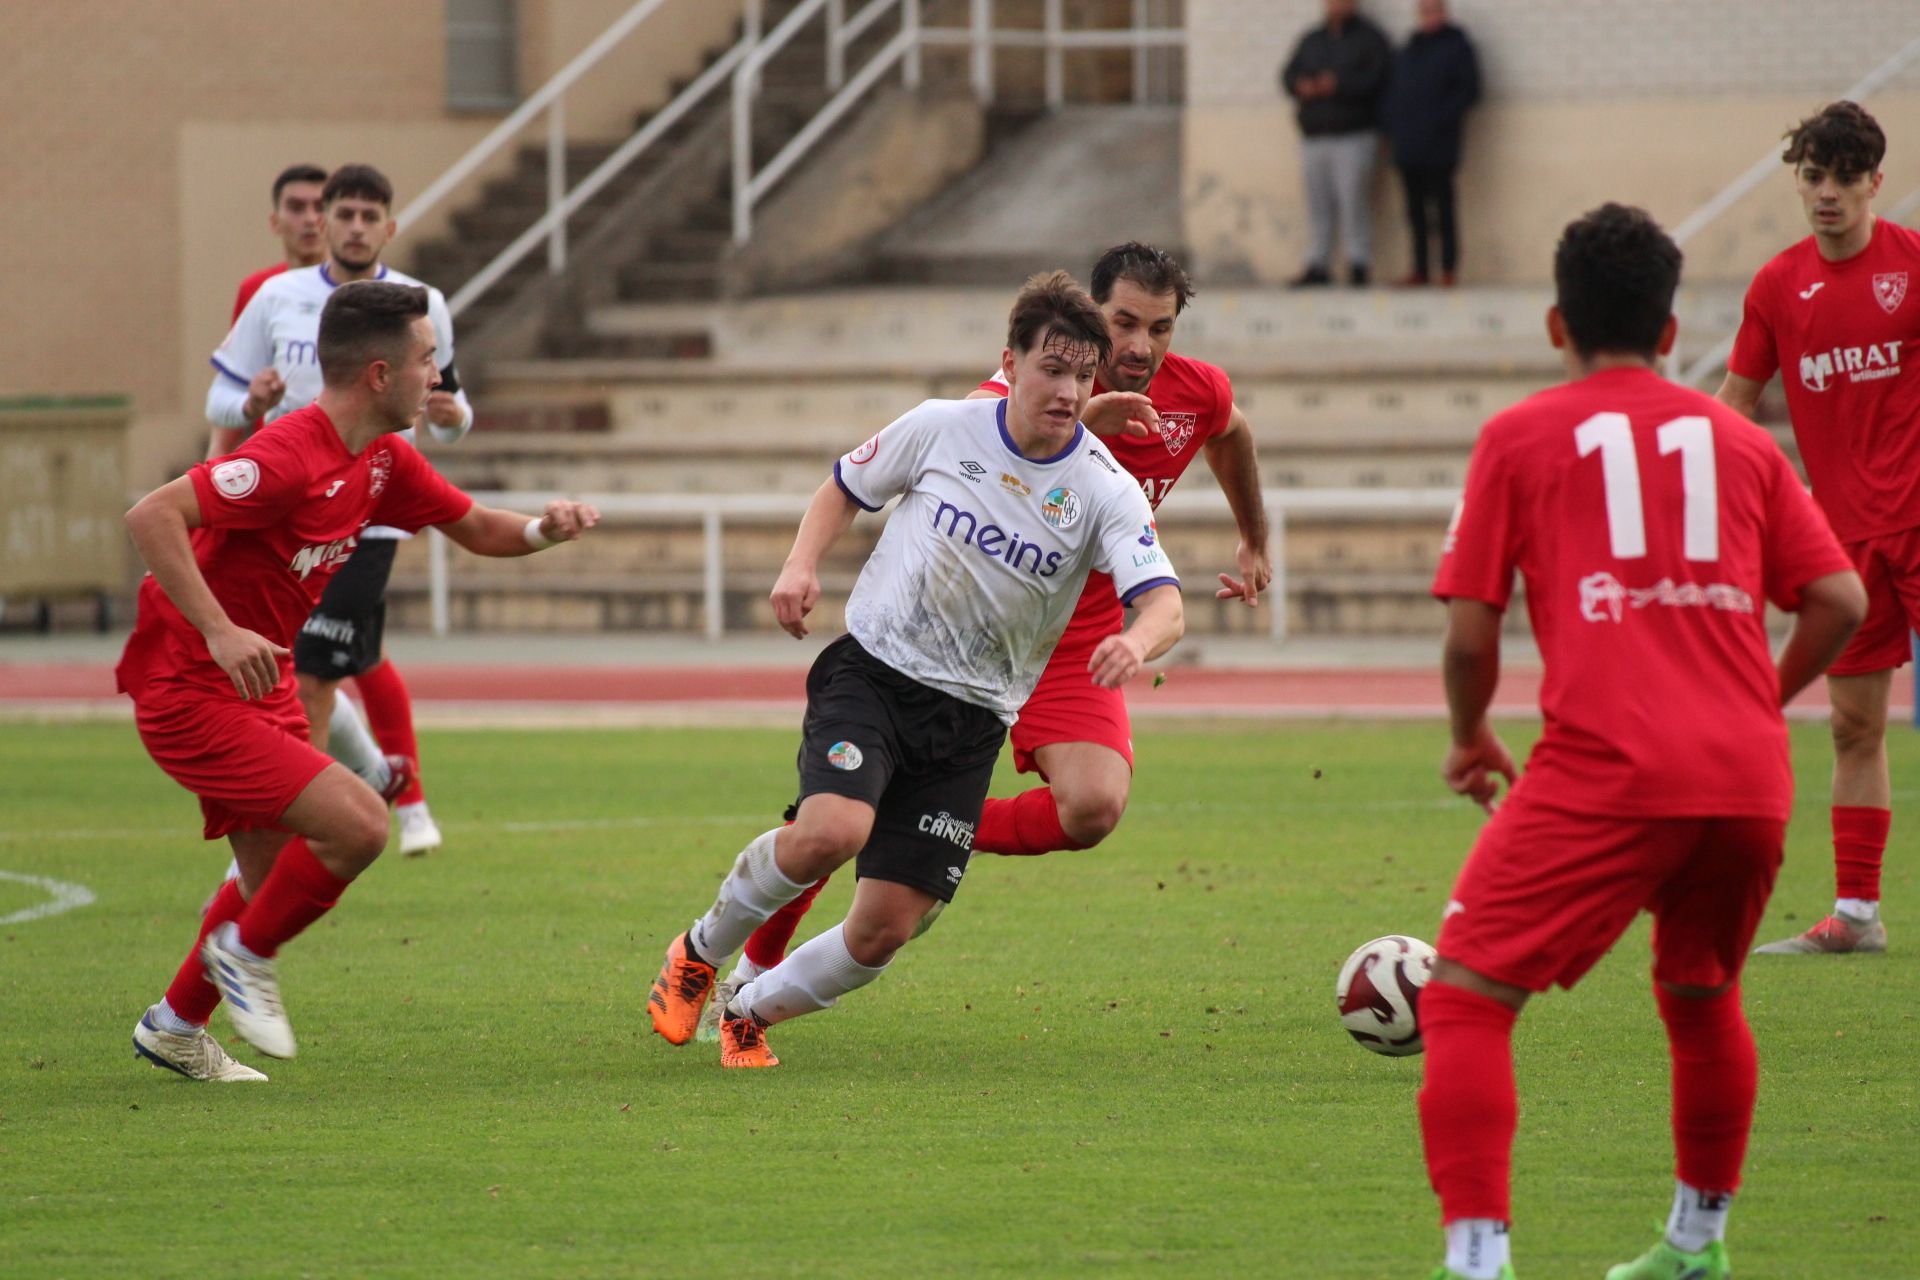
point(418, 832)
point(197, 1056)
point(252, 993)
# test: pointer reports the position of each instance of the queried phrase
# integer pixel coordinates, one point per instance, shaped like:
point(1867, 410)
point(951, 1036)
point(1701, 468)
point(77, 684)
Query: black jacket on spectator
point(1359, 58)
point(1436, 77)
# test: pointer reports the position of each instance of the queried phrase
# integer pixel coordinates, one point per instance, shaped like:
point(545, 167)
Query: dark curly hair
point(1154, 270)
point(1053, 304)
point(1614, 275)
point(1841, 136)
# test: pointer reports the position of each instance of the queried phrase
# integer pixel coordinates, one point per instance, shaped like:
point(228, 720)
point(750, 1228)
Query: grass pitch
point(1114, 1063)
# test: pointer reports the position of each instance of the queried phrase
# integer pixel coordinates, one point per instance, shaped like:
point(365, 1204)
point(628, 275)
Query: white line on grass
point(66, 897)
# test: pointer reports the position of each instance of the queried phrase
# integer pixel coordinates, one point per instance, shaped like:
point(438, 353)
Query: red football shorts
point(1067, 706)
point(247, 761)
point(1546, 893)
point(1890, 566)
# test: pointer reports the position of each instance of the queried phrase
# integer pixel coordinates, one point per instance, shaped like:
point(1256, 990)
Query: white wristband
point(536, 539)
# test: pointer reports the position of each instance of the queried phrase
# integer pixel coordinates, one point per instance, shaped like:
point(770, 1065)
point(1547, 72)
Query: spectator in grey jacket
point(1435, 79)
point(1337, 74)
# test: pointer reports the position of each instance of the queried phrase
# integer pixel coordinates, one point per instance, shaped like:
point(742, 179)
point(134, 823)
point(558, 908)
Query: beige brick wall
point(139, 139)
point(1659, 102)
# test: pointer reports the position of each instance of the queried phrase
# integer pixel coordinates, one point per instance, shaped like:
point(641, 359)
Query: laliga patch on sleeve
point(237, 477)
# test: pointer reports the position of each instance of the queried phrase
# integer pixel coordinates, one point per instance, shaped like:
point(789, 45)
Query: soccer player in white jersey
point(267, 368)
point(1005, 507)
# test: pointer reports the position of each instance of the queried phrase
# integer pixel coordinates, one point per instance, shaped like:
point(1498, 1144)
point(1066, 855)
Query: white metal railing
point(1738, 189)
point(713, 511)
point(981, 35)
point(744, 62)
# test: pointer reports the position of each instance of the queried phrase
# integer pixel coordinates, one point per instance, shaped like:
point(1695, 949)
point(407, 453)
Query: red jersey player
point(239, 550)
point(1833, 315)
point(1156, 412)
point(1651, 525)
point(300, 220)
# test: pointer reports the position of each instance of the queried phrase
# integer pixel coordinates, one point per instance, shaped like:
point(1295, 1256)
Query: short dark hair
point(1154, 270)
point(361, 181)
point(365, 321)
point(1614, 275)
point(296, 173)
point(1841, 136)
point(1052, 302)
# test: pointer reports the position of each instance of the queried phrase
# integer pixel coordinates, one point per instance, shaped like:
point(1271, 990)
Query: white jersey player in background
point(1005, 506)
point(267, 367)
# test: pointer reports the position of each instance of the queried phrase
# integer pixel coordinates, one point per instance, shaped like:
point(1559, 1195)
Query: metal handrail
point(1738, 189)
point(713, 510)
point(548, 95)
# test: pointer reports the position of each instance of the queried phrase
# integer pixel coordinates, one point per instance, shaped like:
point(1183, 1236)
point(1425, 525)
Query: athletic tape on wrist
point(536, 539)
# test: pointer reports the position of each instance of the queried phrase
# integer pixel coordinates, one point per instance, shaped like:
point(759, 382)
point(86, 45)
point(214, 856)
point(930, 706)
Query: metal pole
point(1277, 589)
point(836, 50)
point(557, 185)
point(742, 158)
point(1139, 51)
point(437, 581)
point(1056, 78)
point(983, 51)
point(910, 23)
point(714, 585)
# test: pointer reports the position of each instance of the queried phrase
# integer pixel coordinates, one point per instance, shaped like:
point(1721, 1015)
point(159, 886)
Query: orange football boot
point(679, 993)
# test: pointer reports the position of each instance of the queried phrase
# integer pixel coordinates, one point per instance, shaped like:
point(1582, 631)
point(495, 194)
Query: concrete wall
point(1657, 102)
point(140, 139)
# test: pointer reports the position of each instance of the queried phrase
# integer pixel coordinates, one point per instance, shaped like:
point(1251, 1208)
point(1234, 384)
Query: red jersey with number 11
point(1651, 525)
point(1194, 400)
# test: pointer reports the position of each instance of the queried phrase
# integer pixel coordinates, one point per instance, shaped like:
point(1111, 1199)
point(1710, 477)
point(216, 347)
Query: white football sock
point(351, 743)
point(811, 979)
point(1865, 910)
point(752, 891)
point(744, 972)
point(1476, 1248)
point(1698, 1218)
point(170, 1022)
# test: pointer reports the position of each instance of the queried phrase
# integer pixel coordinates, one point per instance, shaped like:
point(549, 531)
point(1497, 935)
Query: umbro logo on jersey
point(974, 471)
point(1813, 288)
point(333, 488)
point(1890, 290)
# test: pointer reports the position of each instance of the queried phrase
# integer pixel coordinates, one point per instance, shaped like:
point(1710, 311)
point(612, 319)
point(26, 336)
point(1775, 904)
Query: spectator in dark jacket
point(1336, 75)
point(1436, 77)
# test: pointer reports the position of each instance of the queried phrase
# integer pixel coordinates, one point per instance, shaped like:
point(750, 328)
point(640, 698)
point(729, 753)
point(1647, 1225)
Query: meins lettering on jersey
point(987, 539)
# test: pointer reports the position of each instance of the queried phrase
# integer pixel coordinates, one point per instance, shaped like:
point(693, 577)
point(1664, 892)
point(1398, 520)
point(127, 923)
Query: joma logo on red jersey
point(322, 555)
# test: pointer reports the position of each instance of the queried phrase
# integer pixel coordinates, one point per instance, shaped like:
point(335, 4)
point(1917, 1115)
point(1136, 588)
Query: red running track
point(1239, 691)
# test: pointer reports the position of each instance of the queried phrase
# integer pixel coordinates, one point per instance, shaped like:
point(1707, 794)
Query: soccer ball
point(1379, 993)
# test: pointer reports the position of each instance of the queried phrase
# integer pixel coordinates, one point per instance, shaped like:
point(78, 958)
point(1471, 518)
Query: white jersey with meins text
point(280, 327)
point(978, 571)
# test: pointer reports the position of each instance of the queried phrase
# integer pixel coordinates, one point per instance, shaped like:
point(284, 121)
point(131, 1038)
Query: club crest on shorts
point(1061, 508)
point(845, 756)
point(1890, 290)
point(236, 477)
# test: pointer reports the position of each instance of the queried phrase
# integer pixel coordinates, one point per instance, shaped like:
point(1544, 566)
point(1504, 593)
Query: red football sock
point(297, 892)
point(1027, 825)
point(1468, 1106)
point(192, 996)
point(1859, 845)
point(1715, 1076)
point(767, 946)
point(389, 710)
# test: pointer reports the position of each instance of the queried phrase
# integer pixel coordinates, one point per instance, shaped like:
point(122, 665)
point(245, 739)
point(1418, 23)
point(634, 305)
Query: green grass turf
point(1123, 1062)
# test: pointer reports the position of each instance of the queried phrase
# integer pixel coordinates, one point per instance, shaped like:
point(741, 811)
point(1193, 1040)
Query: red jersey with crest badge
point(1194, 400)
point(1846, 338)
point(1652, 524)
point(277, 518)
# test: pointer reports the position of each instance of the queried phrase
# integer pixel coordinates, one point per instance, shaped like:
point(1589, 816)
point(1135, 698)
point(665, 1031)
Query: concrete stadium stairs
point(1345, 389)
